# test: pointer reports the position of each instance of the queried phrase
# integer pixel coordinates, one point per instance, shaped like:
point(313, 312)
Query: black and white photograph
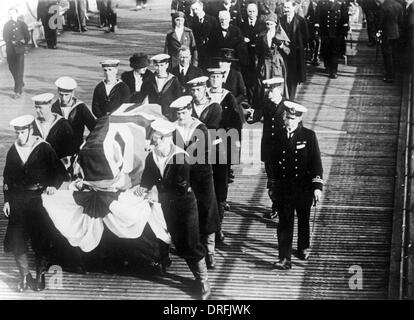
point(227, 151)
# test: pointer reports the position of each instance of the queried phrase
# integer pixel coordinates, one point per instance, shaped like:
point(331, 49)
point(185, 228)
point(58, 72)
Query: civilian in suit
point(297, 31)
point(163, 88)
point(185, 71)
point(43, 15)
point(251, 28)
point(111, 92)
point(390, 19)
point(111, 15)
point(202, 26)
point(16, 35)
point(314, 41)
point(139, 73)
point(180, 36)
point(103, 21)
point(369, 7)
point(332, 23)
point(228, 36)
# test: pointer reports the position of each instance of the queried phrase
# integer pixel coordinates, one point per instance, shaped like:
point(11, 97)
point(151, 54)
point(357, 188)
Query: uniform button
point(283, 168)
point(273, 134)
point(284, 151)
point(296, 160)
point(296, 152)
point(283, 159)
point(284, 176)
point(296, 167)
point(273, 126)
point(296, 175)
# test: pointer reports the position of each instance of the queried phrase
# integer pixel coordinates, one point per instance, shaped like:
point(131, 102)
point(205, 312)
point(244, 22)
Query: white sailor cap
point(216, 71)
point(164, 127)
point(197, 82)
point(162, 57)
point(66, 84)
point(110, 63)
point(181, 102)
point(22, 122)
point(294, 108)
point(44, 98)
point(273, 82)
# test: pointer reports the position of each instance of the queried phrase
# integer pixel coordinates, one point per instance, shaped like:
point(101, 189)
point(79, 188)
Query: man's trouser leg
point(303, 209)
point(12, 61)
point(285, 227)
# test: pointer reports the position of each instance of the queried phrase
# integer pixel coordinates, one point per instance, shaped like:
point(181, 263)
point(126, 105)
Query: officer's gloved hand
point(6, 209)
point(317, 195)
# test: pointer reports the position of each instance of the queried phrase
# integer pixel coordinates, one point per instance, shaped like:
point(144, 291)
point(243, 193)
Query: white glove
point(6, 209)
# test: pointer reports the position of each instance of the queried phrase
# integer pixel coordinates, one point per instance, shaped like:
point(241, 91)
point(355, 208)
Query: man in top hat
point(296, 180)
point(297, 30)
point(271, 112)
point(167, 168)
point(134, 78)
point(202, 25)
point(178, 37)
point(210, 113)
point(185, 70)
point(192, 135)
point(164, 88)
point(31, 168)
point(16, 35)
point(111, 92)
point(73, 109)
point(53, 128)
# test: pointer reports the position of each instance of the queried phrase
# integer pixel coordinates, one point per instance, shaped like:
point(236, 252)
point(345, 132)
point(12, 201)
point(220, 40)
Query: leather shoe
point(226, 206)
point(26, 282)
point(333, 75)
point(203, 289)
point(210, 261)
point(40, 282)
point(219, 236)
point(304, 254)
point(283, 264)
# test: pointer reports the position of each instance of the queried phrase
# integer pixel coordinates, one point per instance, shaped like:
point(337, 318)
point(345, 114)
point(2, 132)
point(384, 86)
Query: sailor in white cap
point(73, 109)
point(52, 127)
point(111, 92)
point(192, 135)
point(296, 180)
point(162, 89)
point(211, 114)
point(167, 168)
point(31, 168)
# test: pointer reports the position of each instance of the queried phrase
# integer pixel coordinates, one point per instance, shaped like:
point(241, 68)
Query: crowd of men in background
point(224, 63)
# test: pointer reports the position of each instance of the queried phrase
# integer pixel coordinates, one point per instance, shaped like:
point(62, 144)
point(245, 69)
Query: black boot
point(40, 281)
point(202, 286)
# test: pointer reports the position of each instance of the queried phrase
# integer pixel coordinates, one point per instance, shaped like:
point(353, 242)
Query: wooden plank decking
point(356, 120)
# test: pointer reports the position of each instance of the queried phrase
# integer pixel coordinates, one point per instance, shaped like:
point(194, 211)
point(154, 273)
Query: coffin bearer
point(73, 110)
point(167, 168)
point(31, 168)
point(193, 136)
point(53, 128)
point(271, 113)
point(296, 181)
point(111, 92)
point(16, 35)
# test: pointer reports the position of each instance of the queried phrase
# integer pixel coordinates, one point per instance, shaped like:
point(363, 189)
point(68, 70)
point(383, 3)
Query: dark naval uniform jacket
point(272, 123)
point(297, 161)
point(103, 104)
point(79, 117)
point(16, 35)
point(201, 175)
point(171, 90)
point(332, 19)
point(23, 185)
point(178, 202)
point(60, 136)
